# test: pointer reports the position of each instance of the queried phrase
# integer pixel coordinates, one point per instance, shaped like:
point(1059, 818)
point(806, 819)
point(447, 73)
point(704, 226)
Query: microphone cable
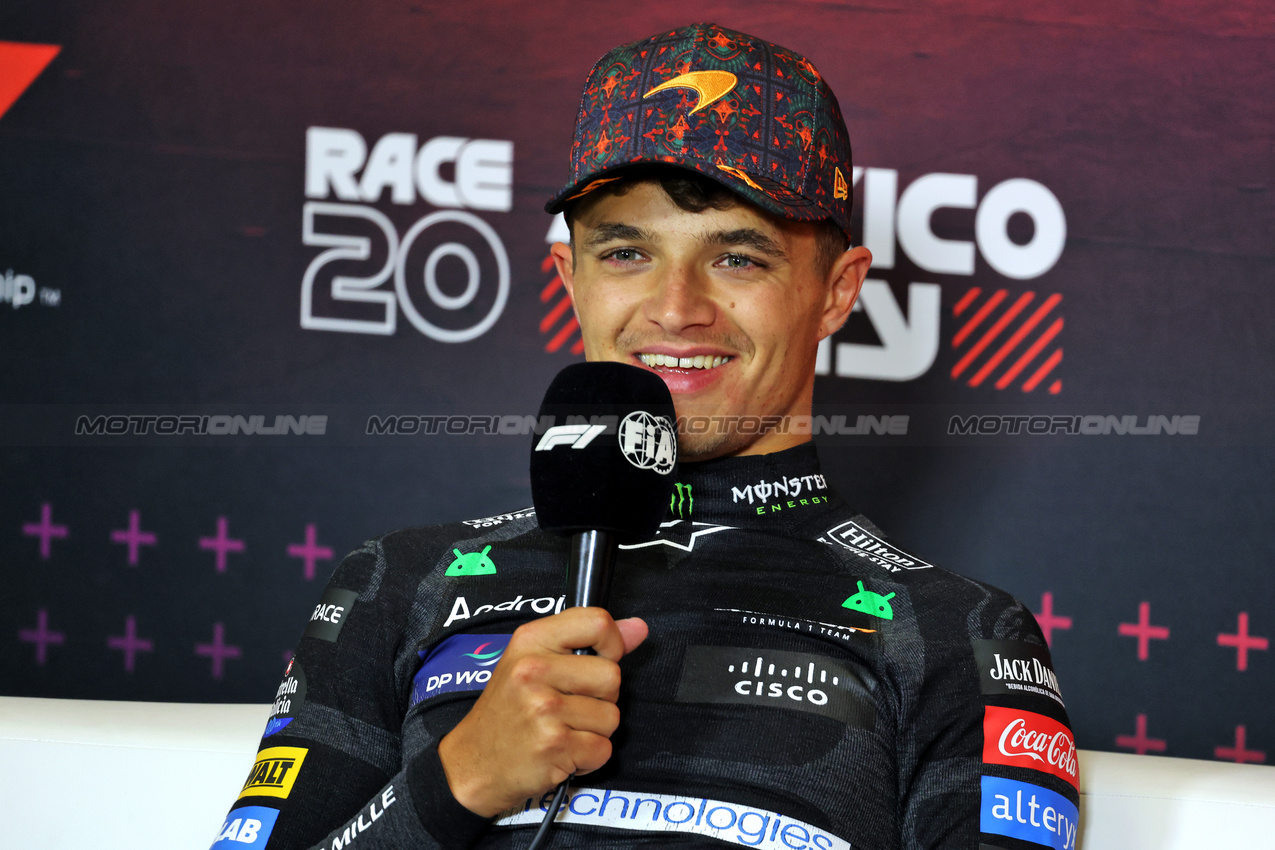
point(545, 825)
point(583, 593)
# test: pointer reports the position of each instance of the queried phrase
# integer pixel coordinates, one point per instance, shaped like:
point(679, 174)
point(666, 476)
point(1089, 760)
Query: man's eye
point(623, 255)
point(739, 261)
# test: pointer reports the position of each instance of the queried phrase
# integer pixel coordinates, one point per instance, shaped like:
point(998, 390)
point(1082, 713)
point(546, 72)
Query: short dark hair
point(695, 193)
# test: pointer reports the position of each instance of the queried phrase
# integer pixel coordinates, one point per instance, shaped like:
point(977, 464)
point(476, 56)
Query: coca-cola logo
point(1026, 739)
point(1057, 749)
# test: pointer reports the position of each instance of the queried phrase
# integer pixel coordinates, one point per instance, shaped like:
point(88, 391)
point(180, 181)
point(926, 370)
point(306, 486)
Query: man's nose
point(681, 299)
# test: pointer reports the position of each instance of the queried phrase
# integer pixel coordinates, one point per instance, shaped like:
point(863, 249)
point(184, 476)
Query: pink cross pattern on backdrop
point(45, 530)
point(129, 642)
point(133, 536)
point(1047, 620)
point(1139, 742)
point(1143, 630)
point(221, 544)
point(1237, 753)
point(218, 650)
point(310, 551)
point(41, 636)
point(1242, 642)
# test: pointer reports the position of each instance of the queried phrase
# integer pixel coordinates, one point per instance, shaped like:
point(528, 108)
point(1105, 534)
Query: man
point(777, 673)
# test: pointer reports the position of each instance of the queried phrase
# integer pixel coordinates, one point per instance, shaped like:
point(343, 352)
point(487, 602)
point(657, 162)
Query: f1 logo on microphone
point(576, 436)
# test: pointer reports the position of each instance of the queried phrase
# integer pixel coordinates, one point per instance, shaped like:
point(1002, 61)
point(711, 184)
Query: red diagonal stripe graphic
point(1030, 354)
point(20, 64)
point(992, 333)
point(550, 288)
point(1014, 340)
point(578, 348)
point(978, 317)
point(1045, 369)
point(556, 313)
point(965, 301)
point(546, 264)
point(561, 336)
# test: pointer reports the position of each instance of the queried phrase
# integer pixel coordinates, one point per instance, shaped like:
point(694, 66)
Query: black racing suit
point(805, 684)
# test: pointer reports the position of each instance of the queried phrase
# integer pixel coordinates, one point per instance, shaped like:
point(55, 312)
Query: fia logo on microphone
point(648, 441)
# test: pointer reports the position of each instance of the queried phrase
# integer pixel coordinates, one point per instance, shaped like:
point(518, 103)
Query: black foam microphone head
point(607, 458)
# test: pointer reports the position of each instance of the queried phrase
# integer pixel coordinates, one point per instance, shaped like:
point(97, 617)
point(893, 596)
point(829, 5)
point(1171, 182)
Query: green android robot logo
point(472, 564)
point(871, 603)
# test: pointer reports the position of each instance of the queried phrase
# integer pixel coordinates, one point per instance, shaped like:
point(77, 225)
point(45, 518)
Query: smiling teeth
point(700, 361)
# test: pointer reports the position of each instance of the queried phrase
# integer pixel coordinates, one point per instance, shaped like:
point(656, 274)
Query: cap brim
point(757, 190)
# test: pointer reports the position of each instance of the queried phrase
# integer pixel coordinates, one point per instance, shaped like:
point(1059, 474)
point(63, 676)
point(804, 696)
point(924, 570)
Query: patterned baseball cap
point(751, 115)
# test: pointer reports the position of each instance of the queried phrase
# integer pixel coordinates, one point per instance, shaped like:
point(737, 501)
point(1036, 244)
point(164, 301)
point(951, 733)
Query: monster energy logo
point(681, 502)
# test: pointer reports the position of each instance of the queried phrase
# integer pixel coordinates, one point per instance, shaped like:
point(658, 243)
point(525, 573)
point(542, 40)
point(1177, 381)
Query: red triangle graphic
point(20, 64)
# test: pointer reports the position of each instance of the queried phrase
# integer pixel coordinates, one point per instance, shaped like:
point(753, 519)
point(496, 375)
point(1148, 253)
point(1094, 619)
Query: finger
point(589, 751)
point(586, 714)
point(632, 631)
point(577, 628)
point(586, 675)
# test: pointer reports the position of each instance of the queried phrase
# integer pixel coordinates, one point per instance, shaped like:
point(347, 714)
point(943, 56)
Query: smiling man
point(777, 673)
point(727, 304)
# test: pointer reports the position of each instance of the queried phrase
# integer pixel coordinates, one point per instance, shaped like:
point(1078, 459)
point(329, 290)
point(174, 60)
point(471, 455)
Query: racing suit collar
point(781, 490)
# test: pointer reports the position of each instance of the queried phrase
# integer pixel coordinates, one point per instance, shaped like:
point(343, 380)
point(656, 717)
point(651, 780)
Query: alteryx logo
point(460, 663)
point(1028, 812)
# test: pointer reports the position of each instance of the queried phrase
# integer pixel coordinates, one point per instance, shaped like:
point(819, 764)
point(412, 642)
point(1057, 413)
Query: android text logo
point(870, 603)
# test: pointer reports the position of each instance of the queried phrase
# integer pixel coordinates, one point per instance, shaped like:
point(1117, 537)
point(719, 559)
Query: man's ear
point(844, 282)
point(564, 261)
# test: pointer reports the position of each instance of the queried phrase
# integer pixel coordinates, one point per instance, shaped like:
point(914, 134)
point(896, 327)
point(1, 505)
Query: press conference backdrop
point(276, 279)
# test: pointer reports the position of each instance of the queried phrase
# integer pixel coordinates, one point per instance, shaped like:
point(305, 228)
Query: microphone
point(601, 474)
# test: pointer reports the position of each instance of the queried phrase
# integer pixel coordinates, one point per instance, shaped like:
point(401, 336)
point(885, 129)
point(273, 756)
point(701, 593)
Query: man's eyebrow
point(610, 231)
point(750, 237)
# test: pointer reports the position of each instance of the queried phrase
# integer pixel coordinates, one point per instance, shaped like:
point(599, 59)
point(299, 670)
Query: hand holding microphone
point(546, 714)
point(602, 475)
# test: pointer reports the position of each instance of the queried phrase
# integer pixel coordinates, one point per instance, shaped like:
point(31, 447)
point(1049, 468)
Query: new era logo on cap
point(752, 115)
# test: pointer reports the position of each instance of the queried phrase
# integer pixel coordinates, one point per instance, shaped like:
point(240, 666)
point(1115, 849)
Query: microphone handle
point(589, 571)
point(588, 579)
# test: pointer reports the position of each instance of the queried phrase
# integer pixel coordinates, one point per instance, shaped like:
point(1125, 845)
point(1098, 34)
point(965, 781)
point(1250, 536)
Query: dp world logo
point(648, 441)
point(484, 659)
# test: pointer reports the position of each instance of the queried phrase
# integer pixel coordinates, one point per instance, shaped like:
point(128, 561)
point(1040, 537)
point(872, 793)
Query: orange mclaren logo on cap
point(839, 188)
point(730, 169)
point(711, 86)
point(593, 185)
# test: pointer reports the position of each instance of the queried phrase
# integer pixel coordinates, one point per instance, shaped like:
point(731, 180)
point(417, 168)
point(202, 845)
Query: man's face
point(736, 297)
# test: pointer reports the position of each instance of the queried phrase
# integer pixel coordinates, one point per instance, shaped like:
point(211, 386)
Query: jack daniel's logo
point(1016, 667)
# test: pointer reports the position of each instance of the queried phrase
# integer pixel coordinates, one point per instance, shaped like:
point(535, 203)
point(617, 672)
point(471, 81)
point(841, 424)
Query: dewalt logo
point(274, 773)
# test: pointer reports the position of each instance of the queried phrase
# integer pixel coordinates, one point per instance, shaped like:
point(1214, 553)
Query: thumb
point(633, 630)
